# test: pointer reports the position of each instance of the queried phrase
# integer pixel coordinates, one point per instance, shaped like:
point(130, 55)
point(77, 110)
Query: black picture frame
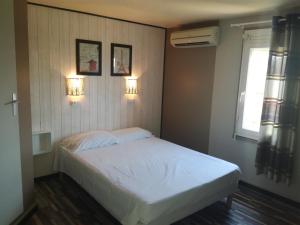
point(93, 69)
point(128, 59)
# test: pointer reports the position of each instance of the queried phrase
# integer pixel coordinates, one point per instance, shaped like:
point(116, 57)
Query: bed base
point(61, 175)
point(229, 201)
point(184, 212)
point(166, 218)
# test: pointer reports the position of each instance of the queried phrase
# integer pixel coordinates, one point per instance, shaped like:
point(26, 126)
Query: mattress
point(150, 181)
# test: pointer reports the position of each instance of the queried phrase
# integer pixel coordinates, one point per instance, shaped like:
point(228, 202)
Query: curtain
point(276, 145)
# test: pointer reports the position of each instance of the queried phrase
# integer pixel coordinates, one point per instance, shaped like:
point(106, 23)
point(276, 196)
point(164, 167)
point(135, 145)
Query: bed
point(149, 181)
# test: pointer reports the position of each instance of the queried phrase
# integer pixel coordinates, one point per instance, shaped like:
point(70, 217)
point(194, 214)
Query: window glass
point(254, 66)
point(255, 86)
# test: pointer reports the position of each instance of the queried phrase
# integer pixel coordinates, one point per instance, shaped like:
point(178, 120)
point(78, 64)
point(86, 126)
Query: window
point(254, 67)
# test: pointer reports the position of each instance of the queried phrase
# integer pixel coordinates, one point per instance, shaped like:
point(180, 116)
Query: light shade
point(74, 86)
point(131, 86)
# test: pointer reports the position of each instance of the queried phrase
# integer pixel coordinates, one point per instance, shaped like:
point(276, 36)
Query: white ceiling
point(169, 13)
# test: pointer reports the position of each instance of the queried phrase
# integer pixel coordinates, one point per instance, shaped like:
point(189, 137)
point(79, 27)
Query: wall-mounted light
point(74, 88)
point(131, 85)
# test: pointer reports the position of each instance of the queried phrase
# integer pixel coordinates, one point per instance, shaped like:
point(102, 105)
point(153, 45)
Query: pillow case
point(88, 140)
point(131, 134)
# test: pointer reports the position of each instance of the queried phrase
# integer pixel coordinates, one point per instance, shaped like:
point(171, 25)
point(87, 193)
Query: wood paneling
point(52, 34)
point(65, 202)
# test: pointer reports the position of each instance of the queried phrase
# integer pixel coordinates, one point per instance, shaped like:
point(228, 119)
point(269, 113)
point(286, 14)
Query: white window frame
point(259, 38)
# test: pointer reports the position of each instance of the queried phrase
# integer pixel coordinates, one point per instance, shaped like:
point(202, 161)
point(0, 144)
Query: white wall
point(52, 35)
point(222, 144)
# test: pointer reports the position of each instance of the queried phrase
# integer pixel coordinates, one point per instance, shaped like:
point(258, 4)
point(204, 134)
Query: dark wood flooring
point(63, 202)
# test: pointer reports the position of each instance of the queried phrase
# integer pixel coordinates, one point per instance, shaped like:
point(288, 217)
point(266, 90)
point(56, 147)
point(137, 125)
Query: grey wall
point(22, 67)
point(188, 83)
point(222, 144)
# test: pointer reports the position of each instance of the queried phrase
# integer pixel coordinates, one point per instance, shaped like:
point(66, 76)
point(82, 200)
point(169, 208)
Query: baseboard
point(26, 214)
point(46, 176)
point(271, 194)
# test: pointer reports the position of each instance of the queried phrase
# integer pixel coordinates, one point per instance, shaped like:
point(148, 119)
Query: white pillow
point(89, 140)
point(131, 134)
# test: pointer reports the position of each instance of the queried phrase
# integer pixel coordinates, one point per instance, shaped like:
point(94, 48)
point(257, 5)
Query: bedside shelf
point(41, 142)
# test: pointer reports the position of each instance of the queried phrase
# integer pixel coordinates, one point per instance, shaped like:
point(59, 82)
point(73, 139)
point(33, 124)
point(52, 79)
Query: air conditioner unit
point(200, 37)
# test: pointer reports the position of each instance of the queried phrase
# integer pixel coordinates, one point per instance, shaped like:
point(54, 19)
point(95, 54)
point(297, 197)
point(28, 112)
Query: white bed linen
point(150, 181)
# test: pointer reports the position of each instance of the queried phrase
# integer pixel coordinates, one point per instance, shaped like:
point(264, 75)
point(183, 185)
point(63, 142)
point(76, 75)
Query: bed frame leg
point(229, 201)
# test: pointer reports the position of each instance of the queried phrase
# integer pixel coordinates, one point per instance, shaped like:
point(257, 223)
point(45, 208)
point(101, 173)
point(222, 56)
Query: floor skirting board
point(27, 214)
point(283, 199)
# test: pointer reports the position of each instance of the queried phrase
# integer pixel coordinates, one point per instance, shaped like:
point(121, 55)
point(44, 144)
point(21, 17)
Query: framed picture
point(121, 60)
point(88, 57)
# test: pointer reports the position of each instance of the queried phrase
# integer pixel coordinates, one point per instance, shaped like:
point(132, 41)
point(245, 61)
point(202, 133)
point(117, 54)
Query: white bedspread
point(141, 181)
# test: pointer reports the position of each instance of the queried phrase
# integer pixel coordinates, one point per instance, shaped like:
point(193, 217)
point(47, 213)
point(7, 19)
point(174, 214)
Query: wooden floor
point(63, 202)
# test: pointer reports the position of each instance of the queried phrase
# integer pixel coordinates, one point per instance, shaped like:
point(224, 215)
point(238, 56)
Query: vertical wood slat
point(145, 78)
point(115, 81)
point(101, 92)
point(92, 35)
point(124, 38)
point(106, 61)
point(52, 35)
point(136, 35)
point(64, 26)
point(74, 33)
point(85, 103)
point(55, 74)
point(33, 65)
point(43, 67)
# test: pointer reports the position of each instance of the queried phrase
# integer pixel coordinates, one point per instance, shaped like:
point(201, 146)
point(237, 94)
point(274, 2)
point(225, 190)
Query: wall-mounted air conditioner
point(200, 37)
